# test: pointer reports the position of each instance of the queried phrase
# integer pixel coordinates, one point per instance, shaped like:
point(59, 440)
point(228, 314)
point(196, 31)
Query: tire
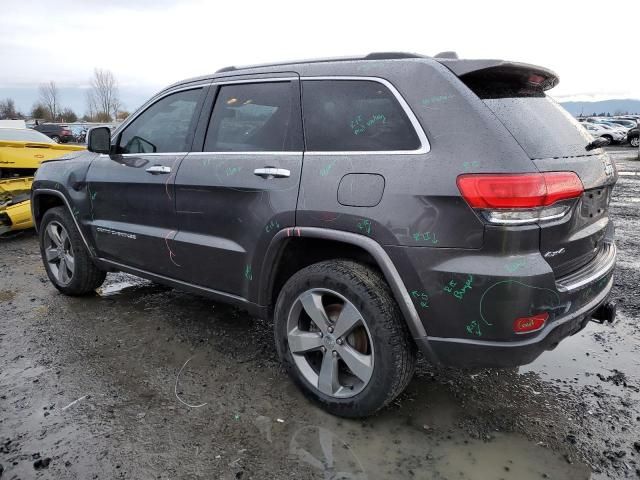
point(65, 257)
point(379, 338)
point(608, 137)
point(55, 138)
point(634, 141)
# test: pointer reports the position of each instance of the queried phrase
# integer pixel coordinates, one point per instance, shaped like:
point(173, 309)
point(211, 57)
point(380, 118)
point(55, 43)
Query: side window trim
point(115, 140)
point(206, 116)
point(425, 147)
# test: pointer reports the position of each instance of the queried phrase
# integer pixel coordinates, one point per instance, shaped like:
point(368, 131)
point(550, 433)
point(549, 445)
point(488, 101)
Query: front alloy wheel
point(635, 141)
point(59, 252)
point(330, 343)
point(65, 256)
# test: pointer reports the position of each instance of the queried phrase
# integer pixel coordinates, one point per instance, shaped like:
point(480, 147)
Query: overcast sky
point(592, 45)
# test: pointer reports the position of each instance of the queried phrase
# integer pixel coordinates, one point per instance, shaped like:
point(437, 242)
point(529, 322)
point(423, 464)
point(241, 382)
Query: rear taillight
point(520, 198)
point(530, 324)
point(66, 132)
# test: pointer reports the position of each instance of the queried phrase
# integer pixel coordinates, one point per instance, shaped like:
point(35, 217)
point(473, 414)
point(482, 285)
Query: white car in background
point(605, 131)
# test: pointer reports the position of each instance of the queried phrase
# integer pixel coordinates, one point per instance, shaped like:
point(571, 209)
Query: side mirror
point(99, 140)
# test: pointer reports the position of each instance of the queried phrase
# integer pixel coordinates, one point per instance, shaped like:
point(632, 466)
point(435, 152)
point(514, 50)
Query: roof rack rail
point(371, 56)
point(448, 54)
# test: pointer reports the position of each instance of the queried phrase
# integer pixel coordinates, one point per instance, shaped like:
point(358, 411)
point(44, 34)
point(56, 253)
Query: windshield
point(23, 135)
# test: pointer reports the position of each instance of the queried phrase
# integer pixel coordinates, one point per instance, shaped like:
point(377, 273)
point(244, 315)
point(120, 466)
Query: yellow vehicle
point(22, 150)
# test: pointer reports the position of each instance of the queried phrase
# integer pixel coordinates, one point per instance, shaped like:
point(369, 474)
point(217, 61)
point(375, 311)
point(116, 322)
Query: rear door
point(131, 190)
point(242, 187)
point(555, 141)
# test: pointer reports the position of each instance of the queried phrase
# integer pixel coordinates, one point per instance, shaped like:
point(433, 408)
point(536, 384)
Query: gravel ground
point(142, 381)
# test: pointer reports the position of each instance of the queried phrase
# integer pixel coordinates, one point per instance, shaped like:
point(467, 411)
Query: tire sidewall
point(373, 396)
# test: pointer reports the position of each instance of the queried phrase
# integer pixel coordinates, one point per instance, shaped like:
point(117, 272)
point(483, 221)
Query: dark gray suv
point(370, 206)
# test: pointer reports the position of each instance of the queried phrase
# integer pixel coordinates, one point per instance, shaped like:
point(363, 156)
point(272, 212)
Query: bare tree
point(49, 98)
point(104, 93)
point(8, 109)
point(91, 105)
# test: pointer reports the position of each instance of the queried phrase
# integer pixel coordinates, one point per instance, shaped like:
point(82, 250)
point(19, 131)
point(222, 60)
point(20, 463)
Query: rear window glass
point(23, 135)
point(354, 115)
point(540, 125)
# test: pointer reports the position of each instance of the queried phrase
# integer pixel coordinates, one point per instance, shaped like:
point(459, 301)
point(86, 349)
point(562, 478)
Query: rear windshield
point(540, 125)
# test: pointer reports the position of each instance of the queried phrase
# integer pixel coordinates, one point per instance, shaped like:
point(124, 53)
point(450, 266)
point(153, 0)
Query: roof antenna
point(450, 54)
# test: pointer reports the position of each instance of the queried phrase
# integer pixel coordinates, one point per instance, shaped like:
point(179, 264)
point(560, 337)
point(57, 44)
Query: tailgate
point(555, 142)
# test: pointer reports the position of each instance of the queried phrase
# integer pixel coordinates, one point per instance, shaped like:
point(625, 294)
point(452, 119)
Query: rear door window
point(354, 115)
point(255, 117)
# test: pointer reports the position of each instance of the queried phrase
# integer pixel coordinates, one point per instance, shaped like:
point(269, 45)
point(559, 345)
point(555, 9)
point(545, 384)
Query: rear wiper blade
point(597, 143)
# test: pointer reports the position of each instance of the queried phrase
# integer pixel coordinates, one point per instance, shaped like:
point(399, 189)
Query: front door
point(131, 190)
point(242, 188)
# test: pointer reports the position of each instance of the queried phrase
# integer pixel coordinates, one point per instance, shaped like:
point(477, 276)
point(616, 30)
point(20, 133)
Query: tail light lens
point(519, 199)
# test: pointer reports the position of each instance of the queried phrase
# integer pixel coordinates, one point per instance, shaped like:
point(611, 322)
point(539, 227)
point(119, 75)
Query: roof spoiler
point(488, 70)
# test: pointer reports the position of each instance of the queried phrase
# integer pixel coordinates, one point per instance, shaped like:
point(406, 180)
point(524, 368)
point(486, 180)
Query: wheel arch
point(282, 259)
point(45, 199)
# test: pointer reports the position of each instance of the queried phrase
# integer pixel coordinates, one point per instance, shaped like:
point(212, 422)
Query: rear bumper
point(462, 352)
point(468, 300)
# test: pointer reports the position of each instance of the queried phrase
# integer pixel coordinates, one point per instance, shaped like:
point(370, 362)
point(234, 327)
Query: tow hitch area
point(605, 313)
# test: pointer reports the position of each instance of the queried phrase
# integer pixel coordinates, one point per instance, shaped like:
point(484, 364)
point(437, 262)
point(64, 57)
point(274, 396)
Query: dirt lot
point(141, 381)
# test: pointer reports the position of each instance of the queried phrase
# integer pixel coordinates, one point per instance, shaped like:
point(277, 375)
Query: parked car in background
point(633, 137)
point(56, 132)
point(482, 250)
point(605, 131)
point(610, 123)
point(625, 122)
point(22, 150)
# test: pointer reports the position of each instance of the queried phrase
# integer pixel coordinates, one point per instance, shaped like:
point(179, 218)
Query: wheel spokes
point(328, 377)
point(69, 261)
point(303, 342)
point(360, 365)
point(54, 235)
point(312, 304)
point(51, 254)
point(63, 274)
point(349, 317)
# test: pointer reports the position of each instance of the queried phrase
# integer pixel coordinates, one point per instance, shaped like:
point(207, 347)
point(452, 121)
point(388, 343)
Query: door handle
point(272, 172)
point(158, 169)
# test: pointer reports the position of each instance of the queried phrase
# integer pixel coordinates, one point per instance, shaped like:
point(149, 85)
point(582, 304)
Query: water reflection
point(327, 453)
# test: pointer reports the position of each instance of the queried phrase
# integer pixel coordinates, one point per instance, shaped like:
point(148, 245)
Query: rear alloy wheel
point(634, 141)
point(56, 138)
point(65, 256)
point(608, 137)
point(330, 343)
point(342, 338)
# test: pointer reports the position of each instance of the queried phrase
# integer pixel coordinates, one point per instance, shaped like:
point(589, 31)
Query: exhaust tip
point(605, 313)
